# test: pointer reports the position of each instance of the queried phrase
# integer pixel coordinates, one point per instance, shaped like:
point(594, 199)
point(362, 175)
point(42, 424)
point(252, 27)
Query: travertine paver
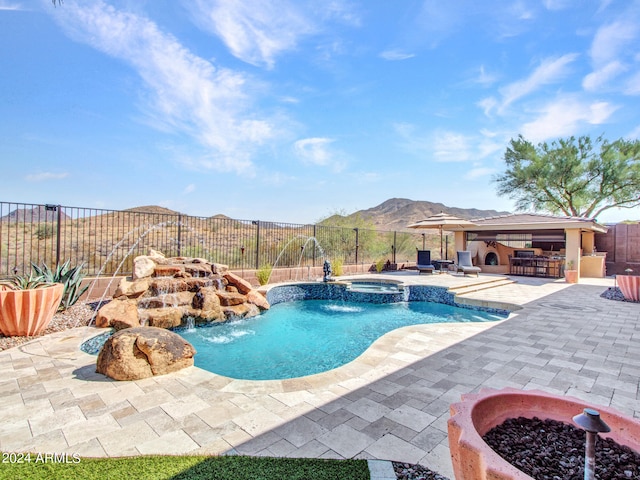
point(391, 403)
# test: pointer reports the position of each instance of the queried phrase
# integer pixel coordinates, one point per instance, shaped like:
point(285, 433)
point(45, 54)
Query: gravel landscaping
point(614, 293)
point(408, 471)
point(78, 315)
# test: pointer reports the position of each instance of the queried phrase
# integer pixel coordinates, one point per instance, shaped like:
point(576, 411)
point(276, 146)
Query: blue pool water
point(300, 338)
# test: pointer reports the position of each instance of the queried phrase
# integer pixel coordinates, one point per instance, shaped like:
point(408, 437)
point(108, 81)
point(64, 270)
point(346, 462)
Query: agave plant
point(71, 278)
point(24, 282)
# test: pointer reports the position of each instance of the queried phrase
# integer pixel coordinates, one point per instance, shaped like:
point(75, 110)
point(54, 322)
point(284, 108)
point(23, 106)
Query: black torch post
point(591, 422)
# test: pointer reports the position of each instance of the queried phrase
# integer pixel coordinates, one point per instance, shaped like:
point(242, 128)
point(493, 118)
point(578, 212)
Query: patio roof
point(519, 222)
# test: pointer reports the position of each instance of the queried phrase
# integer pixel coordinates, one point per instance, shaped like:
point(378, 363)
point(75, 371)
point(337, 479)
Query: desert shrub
point(44, 230)
point(337, 267)
point(380, 265)
point(263, 273)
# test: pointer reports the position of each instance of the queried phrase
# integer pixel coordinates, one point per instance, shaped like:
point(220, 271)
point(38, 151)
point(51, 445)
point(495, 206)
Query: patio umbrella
point(438, 222)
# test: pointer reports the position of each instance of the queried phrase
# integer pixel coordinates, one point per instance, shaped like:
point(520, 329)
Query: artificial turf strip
point(190, 468)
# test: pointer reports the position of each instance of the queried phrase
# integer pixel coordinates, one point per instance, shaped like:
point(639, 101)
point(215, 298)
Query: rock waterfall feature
point(166, 291)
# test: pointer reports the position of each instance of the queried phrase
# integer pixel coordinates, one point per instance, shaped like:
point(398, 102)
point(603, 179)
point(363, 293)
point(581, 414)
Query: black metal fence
point(107, 241)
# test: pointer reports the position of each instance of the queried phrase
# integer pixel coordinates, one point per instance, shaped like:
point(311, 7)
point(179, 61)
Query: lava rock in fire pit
point(547, 449)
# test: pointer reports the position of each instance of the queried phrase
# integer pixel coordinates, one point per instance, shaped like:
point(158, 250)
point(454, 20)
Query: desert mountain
point(397, 213)
point(393, 214)
point(34, 215)
point(155, 209)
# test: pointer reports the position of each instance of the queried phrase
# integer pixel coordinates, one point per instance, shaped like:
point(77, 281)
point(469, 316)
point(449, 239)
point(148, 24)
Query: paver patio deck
point(391, 403)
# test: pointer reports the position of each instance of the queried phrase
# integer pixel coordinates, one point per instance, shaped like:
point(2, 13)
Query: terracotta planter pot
point(28, 312)
point(476, 414)
point(571, 276)
point(630, 286)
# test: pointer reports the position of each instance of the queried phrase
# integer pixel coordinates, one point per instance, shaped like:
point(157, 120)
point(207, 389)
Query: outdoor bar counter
point(536, 266)
point(593, 266)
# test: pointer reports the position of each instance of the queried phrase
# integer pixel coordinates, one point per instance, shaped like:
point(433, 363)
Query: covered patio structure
point(498, 244)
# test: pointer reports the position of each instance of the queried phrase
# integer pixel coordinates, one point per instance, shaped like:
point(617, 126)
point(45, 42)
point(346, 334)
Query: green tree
point(576, 177)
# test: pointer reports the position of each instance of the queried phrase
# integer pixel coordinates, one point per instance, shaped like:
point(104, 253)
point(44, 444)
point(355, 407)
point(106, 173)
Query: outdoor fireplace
point(491, 258)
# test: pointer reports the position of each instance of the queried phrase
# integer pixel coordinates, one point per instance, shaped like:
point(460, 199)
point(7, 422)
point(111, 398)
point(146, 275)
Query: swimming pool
point(304, 337)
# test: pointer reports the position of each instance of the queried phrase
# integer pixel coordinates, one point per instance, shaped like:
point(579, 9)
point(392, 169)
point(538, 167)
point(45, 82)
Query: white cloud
point(255, 32)
point(5, 5)
point(317, 151)
point(45, 176)
point(368, 177)
point(633, 134)
point(632, 86)
point(340, 10)
point(603, 5)
point(451, 147)
point(556, 4)
point(599, 78)
point(445, 146)
point(395, 55)
point(185, 93)
point(487, 105)
point(520, 11)
point(611, 39)
point(487, 147)
point(549, 71)
point(614, 51)
point(479, 172)
point(189, 189)
point(488, 133)
point(485, 78)
point(564, 117)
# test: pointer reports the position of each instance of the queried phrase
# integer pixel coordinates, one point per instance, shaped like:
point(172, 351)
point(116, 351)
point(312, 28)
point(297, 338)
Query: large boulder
point(244, 310)
point(258, 299)
point(167, 317)
point(230, 298)
point(143, 352)
point(119, 313)
point(131, 288)
point(241, 284)
point(143, 266)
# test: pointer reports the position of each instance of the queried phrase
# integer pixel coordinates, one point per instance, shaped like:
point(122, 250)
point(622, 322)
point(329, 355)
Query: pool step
point(476, 287)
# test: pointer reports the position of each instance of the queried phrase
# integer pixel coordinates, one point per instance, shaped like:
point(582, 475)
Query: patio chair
point(465, 265)
point(424, 262)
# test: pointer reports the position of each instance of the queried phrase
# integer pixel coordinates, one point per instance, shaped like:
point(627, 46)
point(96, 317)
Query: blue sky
point(293, 110)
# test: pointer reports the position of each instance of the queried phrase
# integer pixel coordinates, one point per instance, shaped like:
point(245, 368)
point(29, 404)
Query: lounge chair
point(465, 265)
point(424, 262)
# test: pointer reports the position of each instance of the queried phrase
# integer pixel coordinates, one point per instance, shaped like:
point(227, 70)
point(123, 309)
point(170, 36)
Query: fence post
point(179, 235)
point(314, 246)
point(357, 245)
point(257, 224)
point(394, 246)
point(58, 230)
point(55, 208)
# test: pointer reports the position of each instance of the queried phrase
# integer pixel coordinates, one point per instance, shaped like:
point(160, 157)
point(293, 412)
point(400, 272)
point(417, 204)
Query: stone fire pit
point(476, 414)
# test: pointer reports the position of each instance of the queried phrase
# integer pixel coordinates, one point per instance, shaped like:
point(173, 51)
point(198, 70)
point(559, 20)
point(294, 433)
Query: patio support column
point(461, 241)
point(588, 242)
point(573, 248)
